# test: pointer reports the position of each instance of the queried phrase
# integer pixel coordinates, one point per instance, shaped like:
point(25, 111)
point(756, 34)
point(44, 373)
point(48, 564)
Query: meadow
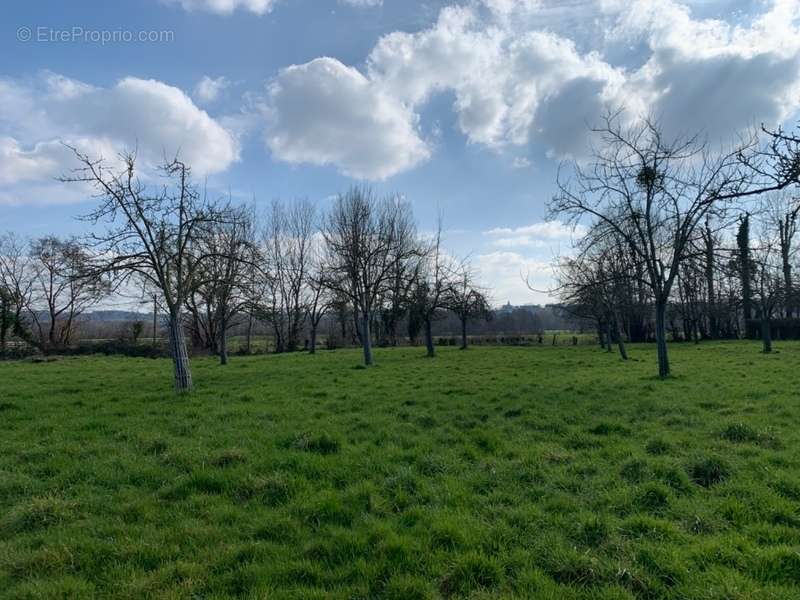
point(499, 472)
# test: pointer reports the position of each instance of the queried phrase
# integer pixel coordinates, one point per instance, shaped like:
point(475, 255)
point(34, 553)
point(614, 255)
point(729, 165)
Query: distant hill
point(115, 315)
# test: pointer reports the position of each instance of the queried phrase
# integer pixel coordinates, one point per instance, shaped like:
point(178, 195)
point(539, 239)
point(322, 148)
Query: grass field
point(542, 472)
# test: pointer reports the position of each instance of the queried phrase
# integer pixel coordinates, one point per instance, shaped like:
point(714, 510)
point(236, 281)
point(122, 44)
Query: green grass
point(541, 472)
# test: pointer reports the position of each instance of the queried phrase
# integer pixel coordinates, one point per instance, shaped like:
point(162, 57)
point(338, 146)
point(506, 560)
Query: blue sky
point(466, 108)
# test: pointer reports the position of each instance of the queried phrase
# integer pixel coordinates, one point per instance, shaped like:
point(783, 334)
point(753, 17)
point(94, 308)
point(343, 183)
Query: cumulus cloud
point(711, 75)
point(511, 86)
point(39, 115)
point(208, 88)
point(258, 7)
point(326, 113)
point(516, 84)
point(508, 273)
point(524, 255)
point(226, 7)
point(546, 230)
point(363, 3)
point(545, 234)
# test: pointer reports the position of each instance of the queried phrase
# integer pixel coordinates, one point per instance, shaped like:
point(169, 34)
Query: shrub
point(119, 347)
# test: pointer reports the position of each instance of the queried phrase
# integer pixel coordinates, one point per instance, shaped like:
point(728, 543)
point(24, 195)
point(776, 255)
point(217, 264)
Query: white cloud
point(550, 235)
point(546, 230)
point(710, 75)
point(524, 256)
point(517, 80)
point(511, 86)
point(37, 115)
point(506, 274)
point(325, 113)
point(226, 7)
point(258, 7)
point(363, 3)
point(208, 88)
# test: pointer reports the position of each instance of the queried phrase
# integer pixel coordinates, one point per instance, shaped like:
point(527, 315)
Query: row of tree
point(211, 266)
point(671, 237)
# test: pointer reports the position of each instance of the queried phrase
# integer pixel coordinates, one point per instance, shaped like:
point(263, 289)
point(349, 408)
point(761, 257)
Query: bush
point(121, 348)
point(18, 352)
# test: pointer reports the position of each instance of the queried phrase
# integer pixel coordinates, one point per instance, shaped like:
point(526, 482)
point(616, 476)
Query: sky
point(466, 108)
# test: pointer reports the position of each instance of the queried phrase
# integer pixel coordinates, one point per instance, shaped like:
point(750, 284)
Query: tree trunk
point(357, 328)
point(713, 327)
point(155, 320)
point(661, 339)
point(766, 335)
point(463, 334)
point(623, 352)
point(601, 335)
point(787, 282)
point(609, 337)
point(249, 333)
point(429, 339)
point(51, 333)
point(5, 321)
point(312, 348)
point(180, 355)
point(366, 339)
point(223, 342)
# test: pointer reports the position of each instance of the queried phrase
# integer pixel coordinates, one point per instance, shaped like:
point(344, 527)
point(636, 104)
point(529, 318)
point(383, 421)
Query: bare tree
point(6, 316)
point(321, 298)
point(780, 210)
point(152, 233)
point(770, 289)
point(366, 238)
point(595, 284)
point(63, 288)
point(397, 301)
point(654, 193)
point(224, 280)
point(288, 248)
point(466, 299)
point(16, 287)
point(710, 244)
point(432, 286)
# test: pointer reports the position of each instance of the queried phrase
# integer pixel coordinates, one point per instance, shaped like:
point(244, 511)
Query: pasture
point(541, 472)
